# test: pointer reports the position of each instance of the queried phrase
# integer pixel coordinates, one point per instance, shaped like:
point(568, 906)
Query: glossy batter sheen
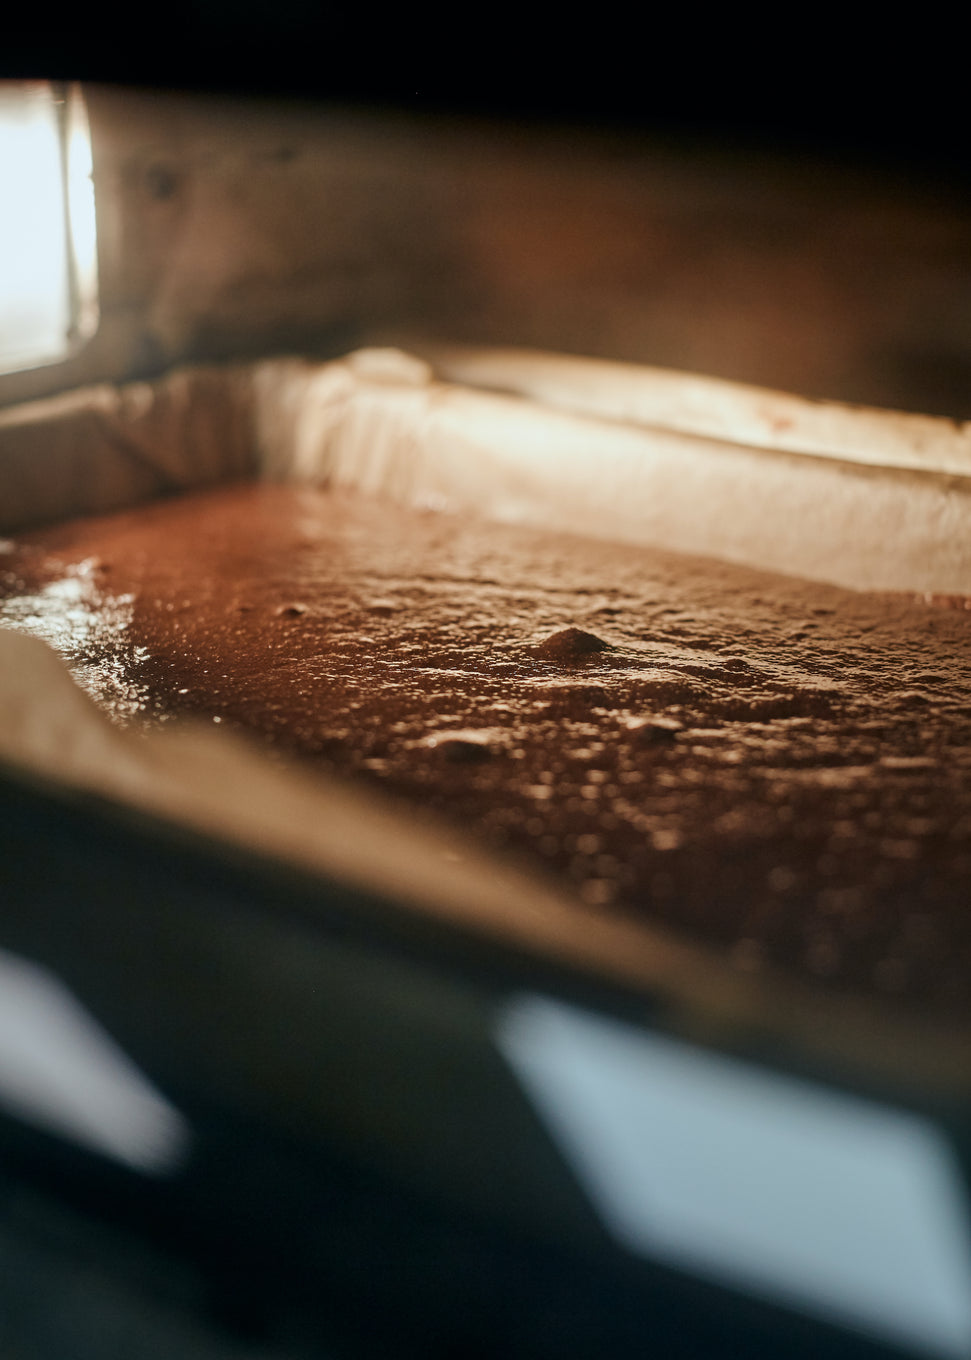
point(780, 769)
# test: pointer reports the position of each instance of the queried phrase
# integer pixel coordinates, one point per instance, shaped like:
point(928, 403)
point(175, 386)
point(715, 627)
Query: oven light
point(48, 271)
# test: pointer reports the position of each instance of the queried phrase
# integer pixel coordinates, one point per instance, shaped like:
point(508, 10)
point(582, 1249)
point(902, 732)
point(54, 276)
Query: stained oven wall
point(235, 228)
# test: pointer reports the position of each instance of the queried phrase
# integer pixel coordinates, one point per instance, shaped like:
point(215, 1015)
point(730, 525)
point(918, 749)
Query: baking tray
point(349, 1122)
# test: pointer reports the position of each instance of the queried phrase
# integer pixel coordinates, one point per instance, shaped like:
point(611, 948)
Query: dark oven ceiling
point(800, 83)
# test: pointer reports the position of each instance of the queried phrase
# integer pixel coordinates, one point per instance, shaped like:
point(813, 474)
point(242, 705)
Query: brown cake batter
point(778, 768)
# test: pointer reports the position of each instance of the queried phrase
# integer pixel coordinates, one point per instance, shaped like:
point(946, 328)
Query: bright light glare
point(811, 1198)
point(80, 189)
point(43, 240)
point(61, 1071)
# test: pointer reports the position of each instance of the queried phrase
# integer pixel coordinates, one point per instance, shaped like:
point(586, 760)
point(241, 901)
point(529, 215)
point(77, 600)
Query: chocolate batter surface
point(780, 769)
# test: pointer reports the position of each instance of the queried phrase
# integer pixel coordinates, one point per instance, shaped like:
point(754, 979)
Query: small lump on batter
point(571, 644)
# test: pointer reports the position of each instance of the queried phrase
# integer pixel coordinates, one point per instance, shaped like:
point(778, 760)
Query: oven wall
point(230, 228)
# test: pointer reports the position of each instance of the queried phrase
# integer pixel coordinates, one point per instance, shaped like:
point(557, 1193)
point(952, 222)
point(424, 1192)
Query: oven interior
point(333, 1124)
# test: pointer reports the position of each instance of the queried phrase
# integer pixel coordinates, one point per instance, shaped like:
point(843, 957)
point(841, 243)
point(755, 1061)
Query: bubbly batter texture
point(777, 768)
